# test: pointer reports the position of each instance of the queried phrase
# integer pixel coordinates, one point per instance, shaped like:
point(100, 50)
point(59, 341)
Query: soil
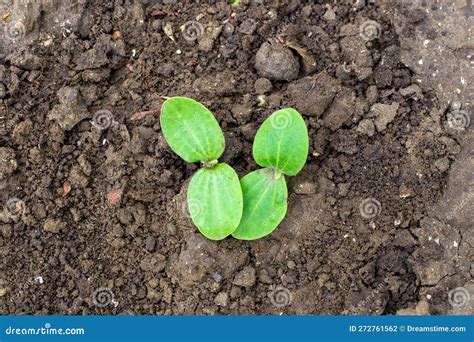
point(380, 220)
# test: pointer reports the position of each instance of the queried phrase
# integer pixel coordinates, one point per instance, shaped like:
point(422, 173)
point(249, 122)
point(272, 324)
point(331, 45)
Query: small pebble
point(3, 91)
point(442, 164)
point(221, 299)
point(404, 191)
point(262, 86)
point(150, 243)
point(456, 105)
point(229, 29)
point(217, 277)
point(276, 62)
point(248, 26)
point(245, 278)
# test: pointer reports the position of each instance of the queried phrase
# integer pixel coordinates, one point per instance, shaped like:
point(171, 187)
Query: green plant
point(281, 147)
point(220, 205)
point(214, 196)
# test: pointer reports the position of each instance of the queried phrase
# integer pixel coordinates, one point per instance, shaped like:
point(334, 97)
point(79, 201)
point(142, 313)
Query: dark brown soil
point(103, 195)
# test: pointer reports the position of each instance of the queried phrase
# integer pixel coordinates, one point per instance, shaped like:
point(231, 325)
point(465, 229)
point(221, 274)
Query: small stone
point(384, 114)
point(229, 29)
point(211, 32)
point(264, 277)
point(117, 231)
point(235, 292)
point(442, 164)
point(114, 197)
point(116, 35)
point(291, 264)
point(276, 62)
point(330, 14)
point(359, 4)
point(248, 26)
point(371, 94)
point(53, 225)
point(306, 11)
point(263, 86)
point(245, 278)
point(221, 299)
point(456, 105)
point(150, 243)
point(367, 127)
point(217, 277)
point(242, 113)
point(404, 191)
point(3, 91)
point(153, 283)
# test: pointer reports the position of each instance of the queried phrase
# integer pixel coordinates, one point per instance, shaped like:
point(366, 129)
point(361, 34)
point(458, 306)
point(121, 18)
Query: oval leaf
point(264, 204)
point(215, 201)
point(191, 130)
point(282, 142)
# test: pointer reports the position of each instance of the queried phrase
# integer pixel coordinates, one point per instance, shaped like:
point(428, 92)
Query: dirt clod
point(245, 278)
point(71, 109)
point(276, 62)
point(53, 225)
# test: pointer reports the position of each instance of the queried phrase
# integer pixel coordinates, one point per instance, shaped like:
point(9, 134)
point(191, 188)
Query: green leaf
point(215, 201)
point(282, 142)
point(191, 130)
point(265, 195)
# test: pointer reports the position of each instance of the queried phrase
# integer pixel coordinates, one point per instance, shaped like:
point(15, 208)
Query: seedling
point(281, 147)
point(220, 205)
point(214, 194)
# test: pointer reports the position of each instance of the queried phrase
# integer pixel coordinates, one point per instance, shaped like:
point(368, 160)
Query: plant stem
point(209, 164)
